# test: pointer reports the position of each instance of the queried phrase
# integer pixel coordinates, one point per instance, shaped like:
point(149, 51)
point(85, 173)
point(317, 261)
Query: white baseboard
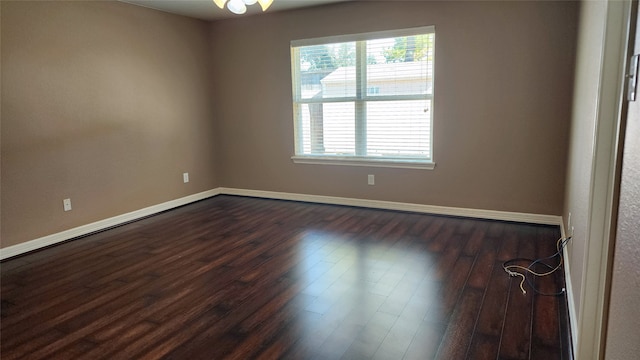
point(390, 205)
point(22, 248)
point(439, 210)
point(48, 240)
point(573, 320)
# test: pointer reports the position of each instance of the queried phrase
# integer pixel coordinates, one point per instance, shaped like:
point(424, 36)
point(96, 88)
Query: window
point(365, 99)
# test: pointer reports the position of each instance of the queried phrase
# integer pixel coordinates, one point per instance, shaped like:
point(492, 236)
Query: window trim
point(364, 36)
point(362, 161)
point(360, 98)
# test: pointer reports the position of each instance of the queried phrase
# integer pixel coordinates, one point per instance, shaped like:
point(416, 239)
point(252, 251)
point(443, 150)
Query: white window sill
point(389, 163)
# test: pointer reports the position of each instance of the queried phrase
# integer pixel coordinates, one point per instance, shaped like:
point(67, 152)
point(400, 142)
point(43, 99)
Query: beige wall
point(503, 90)
point(108, 103)
point(623, 328)
point(623, 331)
point(102, 102)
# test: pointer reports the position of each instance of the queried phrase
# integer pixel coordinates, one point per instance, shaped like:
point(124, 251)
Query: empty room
point(322, 179)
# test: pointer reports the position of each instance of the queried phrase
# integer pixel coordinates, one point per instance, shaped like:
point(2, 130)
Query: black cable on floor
point(512, 269)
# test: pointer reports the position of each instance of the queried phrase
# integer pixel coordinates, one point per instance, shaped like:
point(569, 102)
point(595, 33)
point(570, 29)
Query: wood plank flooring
point(240, 278)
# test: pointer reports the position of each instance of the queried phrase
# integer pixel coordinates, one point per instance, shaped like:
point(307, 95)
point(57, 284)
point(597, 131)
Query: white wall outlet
point(572, 231)
point(185, 177)
point(66, 203)
point(371, 180)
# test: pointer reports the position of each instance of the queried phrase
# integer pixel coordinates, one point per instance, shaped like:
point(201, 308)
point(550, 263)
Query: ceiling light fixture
point(240, 6)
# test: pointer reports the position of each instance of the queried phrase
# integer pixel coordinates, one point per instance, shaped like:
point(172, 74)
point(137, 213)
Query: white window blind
point(365, 97)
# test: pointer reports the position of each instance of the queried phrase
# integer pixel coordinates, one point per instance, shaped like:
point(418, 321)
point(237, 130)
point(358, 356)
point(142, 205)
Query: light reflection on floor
point(370, 291)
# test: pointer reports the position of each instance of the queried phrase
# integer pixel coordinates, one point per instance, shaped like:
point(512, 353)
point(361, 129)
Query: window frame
point(360, 100)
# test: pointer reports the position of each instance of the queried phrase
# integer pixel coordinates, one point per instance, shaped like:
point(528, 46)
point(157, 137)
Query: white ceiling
point(207, 10)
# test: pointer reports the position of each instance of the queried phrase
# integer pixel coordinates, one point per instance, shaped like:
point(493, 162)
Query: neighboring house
point(395, 128)
point(382, 79)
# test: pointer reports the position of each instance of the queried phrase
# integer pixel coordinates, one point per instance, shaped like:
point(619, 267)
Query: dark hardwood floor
point(240, 278)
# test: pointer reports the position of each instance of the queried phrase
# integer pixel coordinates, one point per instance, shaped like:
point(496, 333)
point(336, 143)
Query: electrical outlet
point(66, 203)
point(185, 177)
point(572, 231)
point(371, 180)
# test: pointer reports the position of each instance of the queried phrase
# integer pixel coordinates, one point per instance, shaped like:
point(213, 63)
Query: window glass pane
point(400, 66)
point(328, 128)
point(360, 98)
point(304, 129)
point(327, 71)
point(399, 128)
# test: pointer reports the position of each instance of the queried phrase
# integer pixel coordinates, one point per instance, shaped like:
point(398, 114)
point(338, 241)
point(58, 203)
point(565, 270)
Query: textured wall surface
point(502, 108)
point(102, 102)
point(107, 103)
